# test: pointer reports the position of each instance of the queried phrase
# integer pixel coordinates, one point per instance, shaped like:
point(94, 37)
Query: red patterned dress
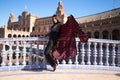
point(66, 45)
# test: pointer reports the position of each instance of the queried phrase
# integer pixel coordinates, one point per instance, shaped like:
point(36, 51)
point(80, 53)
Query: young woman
point(53, 37)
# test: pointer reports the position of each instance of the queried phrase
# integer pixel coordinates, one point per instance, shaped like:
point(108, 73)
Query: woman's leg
point(48, 54)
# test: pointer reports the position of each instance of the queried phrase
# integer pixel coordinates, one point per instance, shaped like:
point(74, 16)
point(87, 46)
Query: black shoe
point(54, 67)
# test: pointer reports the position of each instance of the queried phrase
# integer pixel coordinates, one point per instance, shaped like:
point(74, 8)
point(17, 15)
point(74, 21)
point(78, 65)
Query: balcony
point(28, 53)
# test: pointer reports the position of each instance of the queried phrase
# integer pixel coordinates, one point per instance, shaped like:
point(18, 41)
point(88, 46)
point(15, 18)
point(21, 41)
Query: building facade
point(105, 25)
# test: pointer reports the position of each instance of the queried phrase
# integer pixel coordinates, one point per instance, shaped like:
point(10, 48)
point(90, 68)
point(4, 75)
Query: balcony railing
point(28, 53)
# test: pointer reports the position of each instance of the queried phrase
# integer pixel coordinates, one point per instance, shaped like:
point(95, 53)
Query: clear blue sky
point(43, 8)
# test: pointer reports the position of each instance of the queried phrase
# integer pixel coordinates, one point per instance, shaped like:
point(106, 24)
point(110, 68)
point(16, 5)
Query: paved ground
point(60, 74)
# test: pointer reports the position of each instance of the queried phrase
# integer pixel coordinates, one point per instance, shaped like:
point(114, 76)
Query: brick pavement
point(60, 74)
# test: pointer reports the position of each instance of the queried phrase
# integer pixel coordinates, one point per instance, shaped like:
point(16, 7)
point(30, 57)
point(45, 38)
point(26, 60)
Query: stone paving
point(60, 74)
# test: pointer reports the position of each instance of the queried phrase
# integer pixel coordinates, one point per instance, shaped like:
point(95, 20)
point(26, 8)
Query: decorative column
point(101, 54)
point(17, 53)
point(82, 53)
point(95, 54)
point(3, 54)
point(76, 62)
point(107, 54)
point(37, 53)
point(113, 55)
point(118, 56)
point(31, 52)
point(88, 53)
point(24, 53)
point(10, 54)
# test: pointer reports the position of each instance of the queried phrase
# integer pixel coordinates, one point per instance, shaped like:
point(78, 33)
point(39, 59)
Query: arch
point(23, 35)
point(105, 34)
point(9, 35)
point(19, 35)
point(116, 34)
point(89, 34)
point(14, 35)
point(96, 34)
point(27, 36)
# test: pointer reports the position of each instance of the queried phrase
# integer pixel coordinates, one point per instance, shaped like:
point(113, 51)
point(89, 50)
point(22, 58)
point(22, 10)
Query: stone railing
point(28, 53)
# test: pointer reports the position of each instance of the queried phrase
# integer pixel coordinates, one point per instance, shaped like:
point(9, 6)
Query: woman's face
point(55, 20)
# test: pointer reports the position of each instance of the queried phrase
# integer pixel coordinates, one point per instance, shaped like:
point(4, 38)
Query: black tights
point(48, 54)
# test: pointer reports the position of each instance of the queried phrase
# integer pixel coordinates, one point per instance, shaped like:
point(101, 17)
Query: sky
point(44, 8)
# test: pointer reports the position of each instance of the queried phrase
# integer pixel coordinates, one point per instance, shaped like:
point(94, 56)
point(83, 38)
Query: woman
point(53, 36)
point(66, 45)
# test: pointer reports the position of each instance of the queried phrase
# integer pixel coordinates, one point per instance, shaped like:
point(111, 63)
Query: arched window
point(116, 34)
point(9, 35)
point(105, 34)
point(14, 36)
point(19, 35)
point(96, 34)
point(89, 34)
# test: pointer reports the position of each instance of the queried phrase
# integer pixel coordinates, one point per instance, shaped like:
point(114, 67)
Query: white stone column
point(107, 54)
point(95, 54)
point(10, 54)
point(24, 53)
point(88, 53)
point(118, 56)
point(82, 53)
point(76, 62)
point(37, 53)
point(31, 52)
point(3, 54)
point(113, 55)
point(101, 54)
point(17, 53)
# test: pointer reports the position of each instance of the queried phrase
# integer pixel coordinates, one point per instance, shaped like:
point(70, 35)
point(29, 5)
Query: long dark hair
point(56, 18)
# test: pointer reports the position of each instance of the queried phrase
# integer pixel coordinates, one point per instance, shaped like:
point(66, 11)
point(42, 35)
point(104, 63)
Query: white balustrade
point(95, 52)
point(101, 54)
point(88, 53)
point(107, 54)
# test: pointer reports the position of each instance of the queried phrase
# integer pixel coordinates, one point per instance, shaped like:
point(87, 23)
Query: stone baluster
point(17, 53)
point(63, 62)
point(113, 55)
point(88, 53)
point(37, 53)
point(24, 53)
point(95, 54)
point(31, 52)
point(3, 54)
point(70, 61)
point(107, 54)
point(101, 54)
point(118, 55)
point(10, 54)
point(82, 53)
point(76, 61)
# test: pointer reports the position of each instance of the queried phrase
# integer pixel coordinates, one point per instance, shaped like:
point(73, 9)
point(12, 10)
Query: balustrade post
point(101, 54)
point(95, 54)
point(10, 54)
point(31, 52)
point(3, 54)
point(118, 56)
point(107, 54)
point(83, 53)
point(37, 53)
point(24, 53)
point(64, 62)
point(88, 53)
point(76, 62)
point(17, 53)
point(70, 61)
point(113, 55)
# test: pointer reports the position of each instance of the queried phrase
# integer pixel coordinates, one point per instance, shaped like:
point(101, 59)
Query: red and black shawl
point(66, 45)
